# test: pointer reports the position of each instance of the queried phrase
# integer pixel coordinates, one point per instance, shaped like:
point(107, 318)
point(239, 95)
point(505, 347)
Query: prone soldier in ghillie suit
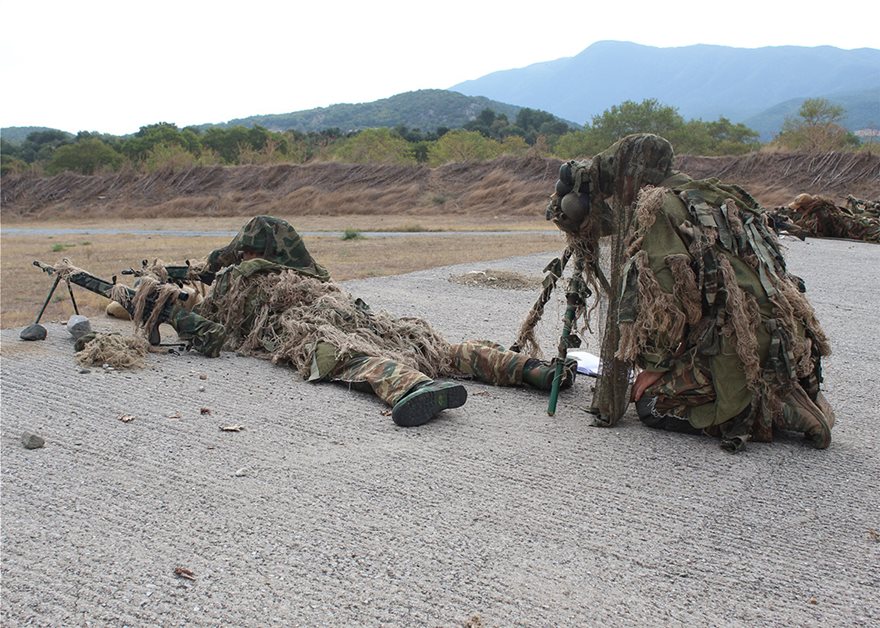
point(725, 338)
point(272, 299)
point(820, 217)
point(863, 206)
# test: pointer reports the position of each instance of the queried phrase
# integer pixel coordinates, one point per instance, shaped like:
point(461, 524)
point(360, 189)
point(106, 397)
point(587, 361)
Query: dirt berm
point(507, 186)
point(141, 511)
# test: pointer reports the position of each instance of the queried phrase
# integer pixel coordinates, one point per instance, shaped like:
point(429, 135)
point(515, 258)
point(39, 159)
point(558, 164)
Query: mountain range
point(758, 87)
point(425, 109)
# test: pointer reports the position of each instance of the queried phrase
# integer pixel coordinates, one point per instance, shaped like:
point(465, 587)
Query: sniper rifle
point(179, 274)
point(106, 288)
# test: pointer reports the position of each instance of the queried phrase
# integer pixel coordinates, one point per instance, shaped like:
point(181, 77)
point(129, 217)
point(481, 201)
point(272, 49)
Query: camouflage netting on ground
point(284, 315)
point(120, 352)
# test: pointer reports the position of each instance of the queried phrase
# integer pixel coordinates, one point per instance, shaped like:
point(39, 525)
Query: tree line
point(163, 145)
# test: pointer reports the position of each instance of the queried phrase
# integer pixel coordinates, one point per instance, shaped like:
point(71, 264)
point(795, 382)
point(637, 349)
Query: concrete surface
point(322, 512)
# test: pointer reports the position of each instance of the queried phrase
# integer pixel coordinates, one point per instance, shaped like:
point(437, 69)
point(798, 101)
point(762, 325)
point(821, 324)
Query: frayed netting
point(658, 310)
point(592, 278)
point(65, 269)
point(120, 352)
point(684, 287)
point(149, 289)
point(585, 251)
point(288, 313)
point(794, 311)
point(741, 324)
point(650, 201)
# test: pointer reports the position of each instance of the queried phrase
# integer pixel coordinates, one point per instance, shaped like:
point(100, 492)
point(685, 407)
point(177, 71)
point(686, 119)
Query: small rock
point(78, 326)
point(203, 376)
point(83, 371)
point(201, 389)
point(33, 332)
point(32, 441)
point(241, 472)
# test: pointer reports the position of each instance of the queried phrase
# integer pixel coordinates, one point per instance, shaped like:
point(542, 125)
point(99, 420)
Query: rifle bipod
point(36, 331)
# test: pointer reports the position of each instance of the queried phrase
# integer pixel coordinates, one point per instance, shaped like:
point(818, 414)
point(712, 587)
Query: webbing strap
point(765, 257)
point(780, 359)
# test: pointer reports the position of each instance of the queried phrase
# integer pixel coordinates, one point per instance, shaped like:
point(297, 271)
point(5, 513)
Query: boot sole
point(426, 404)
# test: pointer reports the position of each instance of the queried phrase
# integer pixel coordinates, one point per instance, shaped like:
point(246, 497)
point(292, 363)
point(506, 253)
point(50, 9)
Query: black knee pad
point(650, 416)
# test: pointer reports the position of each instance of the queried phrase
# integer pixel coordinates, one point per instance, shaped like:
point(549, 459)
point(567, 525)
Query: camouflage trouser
point(489, 362)
point(206, 336)
point(682, 387)
point(390, 380)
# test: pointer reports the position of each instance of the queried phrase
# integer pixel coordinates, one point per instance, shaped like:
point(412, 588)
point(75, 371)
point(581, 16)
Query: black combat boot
point(426, 400)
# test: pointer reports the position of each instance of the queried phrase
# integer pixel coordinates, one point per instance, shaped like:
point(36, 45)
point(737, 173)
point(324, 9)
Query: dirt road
point(323, 512)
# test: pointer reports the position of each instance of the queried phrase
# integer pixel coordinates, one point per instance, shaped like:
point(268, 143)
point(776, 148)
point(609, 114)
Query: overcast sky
point(114, 66)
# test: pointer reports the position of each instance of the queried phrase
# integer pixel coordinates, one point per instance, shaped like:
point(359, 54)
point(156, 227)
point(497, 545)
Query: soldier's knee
point(649, 415)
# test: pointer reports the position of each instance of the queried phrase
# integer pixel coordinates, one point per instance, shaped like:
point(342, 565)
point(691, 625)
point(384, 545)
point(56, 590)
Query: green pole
point(567, 324)
point(573, 299)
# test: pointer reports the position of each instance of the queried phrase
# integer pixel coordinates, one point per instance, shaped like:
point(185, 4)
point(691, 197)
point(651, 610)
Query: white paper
point(588, 364)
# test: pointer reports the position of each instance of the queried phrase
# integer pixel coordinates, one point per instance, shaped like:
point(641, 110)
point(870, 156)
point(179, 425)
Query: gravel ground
point(323, 512)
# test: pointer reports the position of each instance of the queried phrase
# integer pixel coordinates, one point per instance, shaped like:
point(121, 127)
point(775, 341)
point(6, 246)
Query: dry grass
point(23, 287)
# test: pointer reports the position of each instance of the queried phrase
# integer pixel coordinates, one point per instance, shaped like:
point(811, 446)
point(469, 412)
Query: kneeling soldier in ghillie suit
point(272, 299)
point(725, 338)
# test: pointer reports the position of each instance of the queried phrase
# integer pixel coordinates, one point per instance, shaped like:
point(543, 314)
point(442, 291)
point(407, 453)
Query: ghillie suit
point(862, 206)
point(819, 217)
point(270, 310)
point(284, 307)
point(700, 300)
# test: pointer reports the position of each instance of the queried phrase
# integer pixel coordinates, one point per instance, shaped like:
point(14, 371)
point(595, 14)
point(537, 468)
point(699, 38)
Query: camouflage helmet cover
point(578, 205)
point(273, 239)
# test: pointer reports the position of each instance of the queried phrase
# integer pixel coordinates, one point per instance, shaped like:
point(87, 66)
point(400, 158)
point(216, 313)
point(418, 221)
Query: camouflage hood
point(274, 240)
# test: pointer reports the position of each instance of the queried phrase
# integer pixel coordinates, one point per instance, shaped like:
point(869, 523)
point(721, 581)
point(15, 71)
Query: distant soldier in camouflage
point(820, 217)
point(271, 298)
point(863, 206)
point(725, 340)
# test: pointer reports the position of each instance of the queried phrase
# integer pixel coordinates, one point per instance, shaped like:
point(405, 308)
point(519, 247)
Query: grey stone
point(33, 332)
point(78, 326)
point(32, 441)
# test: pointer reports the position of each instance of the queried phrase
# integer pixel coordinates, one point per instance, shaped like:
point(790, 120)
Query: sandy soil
point(323, 512)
